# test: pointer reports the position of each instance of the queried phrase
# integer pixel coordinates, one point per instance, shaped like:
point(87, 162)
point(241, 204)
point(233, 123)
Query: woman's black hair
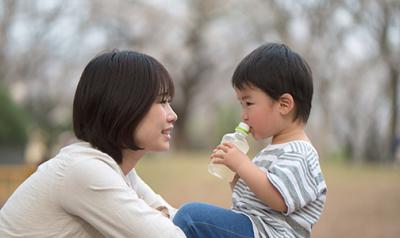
point(114, 93)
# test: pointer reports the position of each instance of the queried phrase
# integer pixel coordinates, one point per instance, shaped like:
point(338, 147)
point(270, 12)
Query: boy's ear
point(286, 103)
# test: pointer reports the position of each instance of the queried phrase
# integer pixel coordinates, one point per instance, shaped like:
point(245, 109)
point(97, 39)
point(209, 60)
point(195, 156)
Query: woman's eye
point(165, 101)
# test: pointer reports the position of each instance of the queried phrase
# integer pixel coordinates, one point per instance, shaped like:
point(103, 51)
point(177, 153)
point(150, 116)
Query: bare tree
point(332, 28)
point(200, 42)
point(198, 64)
point(319, 43)
point(37, 59)
point(382, 24)
point(390, 21)
point(7, 13)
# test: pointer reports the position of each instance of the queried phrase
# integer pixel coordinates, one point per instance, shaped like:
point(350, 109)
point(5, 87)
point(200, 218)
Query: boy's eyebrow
point(244, 97)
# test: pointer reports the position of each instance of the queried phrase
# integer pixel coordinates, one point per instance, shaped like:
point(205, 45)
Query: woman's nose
point(171, 115)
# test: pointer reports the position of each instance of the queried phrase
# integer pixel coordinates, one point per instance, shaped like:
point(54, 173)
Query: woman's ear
point(286, 103)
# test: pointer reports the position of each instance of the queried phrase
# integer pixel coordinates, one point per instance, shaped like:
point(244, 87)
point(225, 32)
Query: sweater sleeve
point(147, 194)
point(99, 195)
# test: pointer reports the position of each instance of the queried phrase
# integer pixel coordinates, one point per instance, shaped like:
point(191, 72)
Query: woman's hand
point(164, 211)
point(232, 157)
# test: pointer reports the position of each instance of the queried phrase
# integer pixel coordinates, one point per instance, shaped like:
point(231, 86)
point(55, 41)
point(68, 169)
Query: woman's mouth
point(167, 132)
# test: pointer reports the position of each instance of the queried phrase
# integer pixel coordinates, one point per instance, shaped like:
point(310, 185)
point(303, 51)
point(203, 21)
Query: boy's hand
point(232, 157)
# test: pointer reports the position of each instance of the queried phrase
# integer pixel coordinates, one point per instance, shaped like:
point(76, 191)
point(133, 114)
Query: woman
point(121, 110)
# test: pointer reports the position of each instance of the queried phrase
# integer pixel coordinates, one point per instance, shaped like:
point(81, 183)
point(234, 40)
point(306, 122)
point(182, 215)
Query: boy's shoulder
point(297, 152)
point(302, 147)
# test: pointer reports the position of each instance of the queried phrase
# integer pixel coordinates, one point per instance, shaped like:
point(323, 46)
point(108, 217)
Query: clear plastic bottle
point(238, 138)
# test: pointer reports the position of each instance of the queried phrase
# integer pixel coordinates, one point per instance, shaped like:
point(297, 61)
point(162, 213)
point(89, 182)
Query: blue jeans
point(201, 220)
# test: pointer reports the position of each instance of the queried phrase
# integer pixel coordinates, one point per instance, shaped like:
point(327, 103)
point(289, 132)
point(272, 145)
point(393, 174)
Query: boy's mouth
point(251, 131)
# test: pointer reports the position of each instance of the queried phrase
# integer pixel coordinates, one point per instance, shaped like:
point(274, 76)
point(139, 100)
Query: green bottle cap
point(243, 127)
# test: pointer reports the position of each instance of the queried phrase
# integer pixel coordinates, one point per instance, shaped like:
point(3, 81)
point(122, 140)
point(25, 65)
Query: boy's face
point(260, 112)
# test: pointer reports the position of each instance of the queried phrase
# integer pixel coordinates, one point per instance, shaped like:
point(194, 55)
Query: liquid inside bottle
point(238, 138)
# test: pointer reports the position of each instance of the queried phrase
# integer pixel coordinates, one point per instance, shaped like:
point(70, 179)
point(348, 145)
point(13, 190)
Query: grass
point(11, 177)
point(183, 177)
point(363, 201)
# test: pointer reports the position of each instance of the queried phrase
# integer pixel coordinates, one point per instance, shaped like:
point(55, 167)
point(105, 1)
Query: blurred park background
point(352, 46)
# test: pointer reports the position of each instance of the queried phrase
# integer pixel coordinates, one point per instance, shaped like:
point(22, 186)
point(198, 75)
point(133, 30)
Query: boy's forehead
point(245, 90)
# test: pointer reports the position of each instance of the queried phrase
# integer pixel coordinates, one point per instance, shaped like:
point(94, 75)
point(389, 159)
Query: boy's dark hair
point(115, 91)
point(276, 69)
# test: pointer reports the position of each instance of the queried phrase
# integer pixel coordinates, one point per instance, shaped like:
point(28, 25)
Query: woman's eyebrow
point(163, 94)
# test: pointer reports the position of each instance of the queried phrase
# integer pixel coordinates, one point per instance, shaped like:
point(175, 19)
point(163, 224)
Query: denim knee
point(185, 212)
point(202, 220)
point(184, 216)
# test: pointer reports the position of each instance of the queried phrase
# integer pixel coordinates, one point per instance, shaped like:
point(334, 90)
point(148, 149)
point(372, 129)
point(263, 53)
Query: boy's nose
point(245, 117)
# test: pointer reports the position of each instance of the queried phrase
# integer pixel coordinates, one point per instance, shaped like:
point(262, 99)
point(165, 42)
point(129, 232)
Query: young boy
point(281, 192)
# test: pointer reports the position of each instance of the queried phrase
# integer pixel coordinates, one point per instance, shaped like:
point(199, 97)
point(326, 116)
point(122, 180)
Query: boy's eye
point(246, 103)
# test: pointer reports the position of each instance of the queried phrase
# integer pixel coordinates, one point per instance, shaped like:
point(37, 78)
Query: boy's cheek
point(254, 135)
point(257, 136)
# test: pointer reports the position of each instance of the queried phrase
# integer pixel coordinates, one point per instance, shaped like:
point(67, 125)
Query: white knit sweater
point(82, 192)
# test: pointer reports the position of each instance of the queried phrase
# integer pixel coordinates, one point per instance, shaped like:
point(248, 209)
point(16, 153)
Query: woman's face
point(153, 133)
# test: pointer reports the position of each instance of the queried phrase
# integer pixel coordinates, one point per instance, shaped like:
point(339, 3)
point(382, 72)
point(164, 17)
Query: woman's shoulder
point(83, 153)
point(85, 164)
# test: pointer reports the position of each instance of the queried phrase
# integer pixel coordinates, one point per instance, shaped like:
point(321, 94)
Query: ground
point(363, 201)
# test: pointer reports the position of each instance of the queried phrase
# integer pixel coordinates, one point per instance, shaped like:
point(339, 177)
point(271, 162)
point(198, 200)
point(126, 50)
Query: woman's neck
point(129, 159)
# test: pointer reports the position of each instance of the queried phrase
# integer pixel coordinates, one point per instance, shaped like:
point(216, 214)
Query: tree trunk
point(394, 105)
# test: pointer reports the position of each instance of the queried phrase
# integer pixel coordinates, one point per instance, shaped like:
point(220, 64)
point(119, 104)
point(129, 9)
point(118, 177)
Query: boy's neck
point(295, 131)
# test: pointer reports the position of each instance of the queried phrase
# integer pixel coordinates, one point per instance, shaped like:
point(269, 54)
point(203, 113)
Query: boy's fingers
point(217, 160)
point(222, 147)
point(228, 144)
point(217, 155)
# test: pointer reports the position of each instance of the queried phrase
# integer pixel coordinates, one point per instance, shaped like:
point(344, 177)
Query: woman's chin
point(162, 148)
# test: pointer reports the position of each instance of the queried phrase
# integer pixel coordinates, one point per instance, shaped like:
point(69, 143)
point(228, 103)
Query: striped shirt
point(293, 168)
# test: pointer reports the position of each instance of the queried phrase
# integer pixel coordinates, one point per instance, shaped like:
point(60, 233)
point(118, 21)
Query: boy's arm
point(253, 176)
point(260, 185)
point(234, 181)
